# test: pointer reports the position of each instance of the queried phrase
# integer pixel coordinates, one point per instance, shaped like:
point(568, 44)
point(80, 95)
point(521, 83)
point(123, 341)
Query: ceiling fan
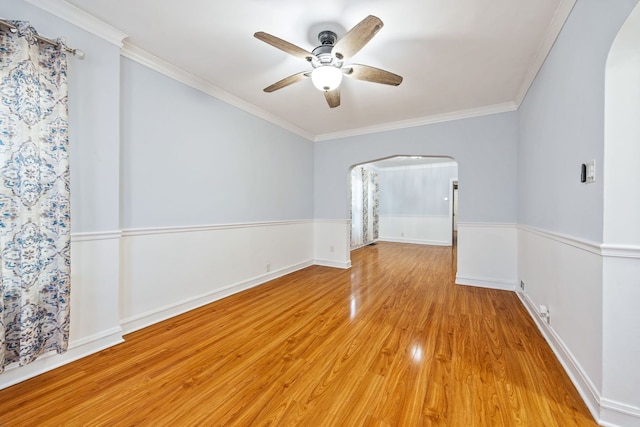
point(328, 59)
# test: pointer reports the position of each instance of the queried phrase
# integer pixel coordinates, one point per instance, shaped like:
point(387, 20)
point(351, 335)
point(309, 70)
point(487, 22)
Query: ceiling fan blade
point(284, 45)
point(333, 97)
point(357, 37)
point(287, 81)
point(372, 74)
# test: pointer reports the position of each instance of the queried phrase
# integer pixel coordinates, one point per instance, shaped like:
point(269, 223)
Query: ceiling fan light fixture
point(326, 77)
point(327, 60)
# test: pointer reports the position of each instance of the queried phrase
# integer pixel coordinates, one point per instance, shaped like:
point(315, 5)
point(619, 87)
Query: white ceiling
point(458, 58)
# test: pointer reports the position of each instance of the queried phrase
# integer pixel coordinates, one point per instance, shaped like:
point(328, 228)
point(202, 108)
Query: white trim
point(421, 166)
point(607, 412)
point(620, 413)
point(93, 25)
point(585, 245)
point(81, 19)
point(334, 221)
point(212, 227)
point(360, 246)
point(486, 282)
point(151, 317)
point(77, 350)
point(96, 235)
point(487, 224)
point(620, 251)
point(414, 241)
point(333, 264)
point(604, 249)
point(428, 120)
point(413, 216)
point(555, 26)
point(115, 332)
point(143, 57)
point(580, 379)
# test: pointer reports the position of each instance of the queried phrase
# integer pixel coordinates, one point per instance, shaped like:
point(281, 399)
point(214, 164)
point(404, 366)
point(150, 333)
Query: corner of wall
point(331, 245)
point(487, 255)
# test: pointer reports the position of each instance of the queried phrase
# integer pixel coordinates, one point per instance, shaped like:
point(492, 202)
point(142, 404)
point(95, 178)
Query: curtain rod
point(75, 52)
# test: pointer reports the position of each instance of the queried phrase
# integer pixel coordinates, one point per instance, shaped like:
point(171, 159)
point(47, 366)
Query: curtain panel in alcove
point(365, 206)
point(366, 237)
point(375, 205)
point(34, 197)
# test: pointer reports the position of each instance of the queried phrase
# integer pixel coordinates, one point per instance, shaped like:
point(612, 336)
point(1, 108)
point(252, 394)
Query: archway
point(414, 199)
point(621, 228)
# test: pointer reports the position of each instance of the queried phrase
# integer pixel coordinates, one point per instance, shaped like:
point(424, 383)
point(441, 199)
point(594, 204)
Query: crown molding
point(149, 60)
point(421, 121)
point(81, 19)
point(145, 58)
point(553, 30)
point(93, 25)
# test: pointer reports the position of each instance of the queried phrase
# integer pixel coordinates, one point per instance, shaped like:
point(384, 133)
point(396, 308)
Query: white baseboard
point(334, 264)
point(415, 241)
point(557, 270)
point(484, 282)
point(616, 414)
point(94, 319)
point(14, 374)
point(607, 412)
point(580, 379)
point(143, 320)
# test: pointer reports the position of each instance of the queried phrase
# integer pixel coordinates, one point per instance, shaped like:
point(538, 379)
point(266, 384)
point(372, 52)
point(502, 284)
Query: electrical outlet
point(522, 285)
point(544, 313)
point(268, 268)
point(331, 249)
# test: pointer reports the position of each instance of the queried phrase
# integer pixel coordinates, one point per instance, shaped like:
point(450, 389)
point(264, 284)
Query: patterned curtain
point(34, 197)
point(375, 195)
point(365, 206)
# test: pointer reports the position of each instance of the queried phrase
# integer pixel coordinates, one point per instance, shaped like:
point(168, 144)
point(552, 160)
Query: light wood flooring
point(390, 342)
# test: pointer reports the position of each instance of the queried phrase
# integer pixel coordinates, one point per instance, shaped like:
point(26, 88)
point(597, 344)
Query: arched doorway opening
point(404, 198)
point(621, 228)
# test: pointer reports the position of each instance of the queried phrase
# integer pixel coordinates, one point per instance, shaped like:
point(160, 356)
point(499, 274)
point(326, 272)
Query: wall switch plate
point(591, 171)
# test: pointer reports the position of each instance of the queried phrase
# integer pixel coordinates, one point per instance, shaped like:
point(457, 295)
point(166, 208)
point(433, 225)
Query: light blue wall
point(191, 159)
point(484, 147)
point(94, 115)
point(417, 191)
point(561, 125)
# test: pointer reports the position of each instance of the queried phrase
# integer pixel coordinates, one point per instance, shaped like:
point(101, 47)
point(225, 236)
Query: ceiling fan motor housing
point(327, 37)
point(322, 53)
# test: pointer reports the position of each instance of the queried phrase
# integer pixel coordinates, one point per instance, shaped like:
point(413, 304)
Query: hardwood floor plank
point(390, 342)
